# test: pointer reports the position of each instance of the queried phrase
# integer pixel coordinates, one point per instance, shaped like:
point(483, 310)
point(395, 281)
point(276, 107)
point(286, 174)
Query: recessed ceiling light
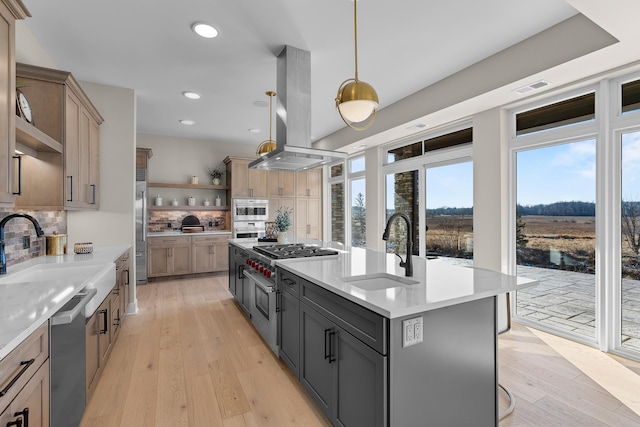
point(191, 95)
point(254, 130)
point(187, 122)
point(361, 146)
point(204, 30)
point(261, 103)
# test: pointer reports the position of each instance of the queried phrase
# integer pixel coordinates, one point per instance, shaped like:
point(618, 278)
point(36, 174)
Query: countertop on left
point(24, 306)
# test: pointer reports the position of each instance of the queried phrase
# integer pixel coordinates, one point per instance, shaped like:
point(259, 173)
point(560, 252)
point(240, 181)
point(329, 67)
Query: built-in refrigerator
point(141, 226)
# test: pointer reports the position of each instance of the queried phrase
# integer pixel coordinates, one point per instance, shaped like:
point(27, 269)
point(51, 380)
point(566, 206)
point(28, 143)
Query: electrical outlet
point(168, 225)
point(211, 224)
point(412, 331)
point(26, 242)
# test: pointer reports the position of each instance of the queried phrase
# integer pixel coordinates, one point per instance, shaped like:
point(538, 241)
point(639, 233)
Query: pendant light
point(269, 145)
point(357, 101)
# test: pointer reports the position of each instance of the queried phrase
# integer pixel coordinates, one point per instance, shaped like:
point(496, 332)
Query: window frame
point(552, 137)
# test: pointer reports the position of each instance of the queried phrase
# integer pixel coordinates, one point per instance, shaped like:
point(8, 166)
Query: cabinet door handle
point(240, 272)
point(25, 415)
point(104, 322)
point(127, 282)
point(331, 358)
point(70, 177)
point(17, 423)
point(19, 158)
point(212, 251)
point(327, 355)
point(25, 365)
point(93, 189)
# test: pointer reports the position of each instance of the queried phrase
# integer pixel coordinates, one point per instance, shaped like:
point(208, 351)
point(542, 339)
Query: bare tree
point(631, 225)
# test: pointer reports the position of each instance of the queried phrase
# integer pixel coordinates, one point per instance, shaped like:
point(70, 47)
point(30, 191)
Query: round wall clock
point(24, 107)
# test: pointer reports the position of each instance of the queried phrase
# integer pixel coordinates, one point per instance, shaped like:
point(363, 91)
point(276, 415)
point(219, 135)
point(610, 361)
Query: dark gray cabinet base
point(352, 363)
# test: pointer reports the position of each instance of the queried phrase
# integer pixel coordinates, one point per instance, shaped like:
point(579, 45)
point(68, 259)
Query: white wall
point(177, 159)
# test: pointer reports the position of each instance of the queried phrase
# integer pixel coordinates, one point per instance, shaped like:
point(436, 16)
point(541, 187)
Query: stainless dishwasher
point(67, 358)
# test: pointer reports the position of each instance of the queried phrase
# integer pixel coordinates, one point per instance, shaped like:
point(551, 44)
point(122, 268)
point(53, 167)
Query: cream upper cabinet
point(309, 183)
point(9, 181)
point(281, 183)
point(244, 182)
point(64, 114)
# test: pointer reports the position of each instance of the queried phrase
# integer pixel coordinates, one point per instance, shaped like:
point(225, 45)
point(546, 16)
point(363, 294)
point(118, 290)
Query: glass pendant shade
point(357, 101)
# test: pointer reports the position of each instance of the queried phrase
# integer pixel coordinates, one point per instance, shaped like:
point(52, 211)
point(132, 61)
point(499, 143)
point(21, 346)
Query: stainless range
point(261, 272)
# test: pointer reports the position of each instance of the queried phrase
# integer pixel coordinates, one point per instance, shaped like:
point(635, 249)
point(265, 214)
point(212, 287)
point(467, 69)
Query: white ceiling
point(148, 45)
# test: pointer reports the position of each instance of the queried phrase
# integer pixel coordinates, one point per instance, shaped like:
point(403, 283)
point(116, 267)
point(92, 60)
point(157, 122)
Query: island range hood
point(293, 118)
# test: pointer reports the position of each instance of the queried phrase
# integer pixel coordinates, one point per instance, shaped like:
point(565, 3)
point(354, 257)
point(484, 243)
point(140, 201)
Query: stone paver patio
point(566, 300)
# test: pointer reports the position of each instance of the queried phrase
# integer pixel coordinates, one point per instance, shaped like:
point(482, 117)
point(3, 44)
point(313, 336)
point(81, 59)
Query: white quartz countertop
point(180, 233)
point(25, 305)
point(439, 284)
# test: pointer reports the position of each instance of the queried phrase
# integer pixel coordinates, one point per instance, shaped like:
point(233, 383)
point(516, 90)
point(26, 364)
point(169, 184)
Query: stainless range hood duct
point(293, 118)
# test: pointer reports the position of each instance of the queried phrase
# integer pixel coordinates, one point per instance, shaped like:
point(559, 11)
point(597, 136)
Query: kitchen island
point(375, 347)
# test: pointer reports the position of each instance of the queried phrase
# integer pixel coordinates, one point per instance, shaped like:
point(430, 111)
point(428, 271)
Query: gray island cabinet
point(373, 348)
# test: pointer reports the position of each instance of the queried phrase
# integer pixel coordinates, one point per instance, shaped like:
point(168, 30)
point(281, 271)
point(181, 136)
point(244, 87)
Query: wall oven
point(249, 216)
point(248, 229)
point(249, 210)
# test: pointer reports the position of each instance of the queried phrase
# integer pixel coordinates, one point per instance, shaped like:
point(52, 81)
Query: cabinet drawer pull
point(19, 158)
point(25, 365)
point(104, 322)
point(25, 415)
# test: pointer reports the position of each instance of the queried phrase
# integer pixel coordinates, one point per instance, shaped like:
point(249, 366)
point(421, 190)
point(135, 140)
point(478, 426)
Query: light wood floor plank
point(192, 357)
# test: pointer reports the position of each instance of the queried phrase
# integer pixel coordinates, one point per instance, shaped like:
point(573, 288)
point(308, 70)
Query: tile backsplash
point(171, 220)
point(15, 229)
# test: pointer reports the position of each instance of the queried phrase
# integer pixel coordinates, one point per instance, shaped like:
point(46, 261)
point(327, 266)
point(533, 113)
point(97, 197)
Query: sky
point(561, 173)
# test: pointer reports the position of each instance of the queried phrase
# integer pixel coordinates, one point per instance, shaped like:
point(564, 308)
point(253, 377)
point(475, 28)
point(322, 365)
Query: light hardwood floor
point(191, 357)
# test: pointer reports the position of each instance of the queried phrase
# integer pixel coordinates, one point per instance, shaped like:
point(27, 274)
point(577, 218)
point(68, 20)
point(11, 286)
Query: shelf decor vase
point(282, 237)
point(216, 181)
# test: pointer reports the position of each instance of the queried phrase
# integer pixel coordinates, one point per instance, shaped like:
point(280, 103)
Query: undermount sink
point(378, 281)
point(52, 272)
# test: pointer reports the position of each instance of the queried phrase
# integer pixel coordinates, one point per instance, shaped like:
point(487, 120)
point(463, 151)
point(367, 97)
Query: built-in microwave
point(249, 210)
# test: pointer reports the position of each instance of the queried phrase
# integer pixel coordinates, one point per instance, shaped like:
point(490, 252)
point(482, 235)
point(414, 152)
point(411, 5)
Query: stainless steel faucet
point(408, 265)
point(39, 233)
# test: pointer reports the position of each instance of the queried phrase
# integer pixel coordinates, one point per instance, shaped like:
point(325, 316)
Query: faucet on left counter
point(36, 224)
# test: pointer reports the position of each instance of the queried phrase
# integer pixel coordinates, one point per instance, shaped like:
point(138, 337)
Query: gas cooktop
point(293, 250)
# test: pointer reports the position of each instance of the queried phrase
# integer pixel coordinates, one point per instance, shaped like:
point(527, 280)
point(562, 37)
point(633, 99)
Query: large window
point(402, 197)
point(556, 236)
point(435, 190)
point(358, 207)
point(630, 240)
point(449, 215)
point(336, 223)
